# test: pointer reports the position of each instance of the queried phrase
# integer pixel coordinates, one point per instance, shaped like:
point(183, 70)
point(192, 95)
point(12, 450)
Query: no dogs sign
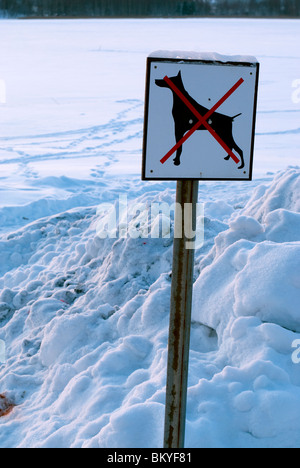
point(188, 92)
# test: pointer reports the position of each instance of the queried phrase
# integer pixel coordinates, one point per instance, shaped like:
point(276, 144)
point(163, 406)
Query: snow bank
point(283, 193)
point(85, 322)
point(249, 293)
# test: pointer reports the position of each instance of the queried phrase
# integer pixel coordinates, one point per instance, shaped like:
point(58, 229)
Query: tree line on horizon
point(149, 8)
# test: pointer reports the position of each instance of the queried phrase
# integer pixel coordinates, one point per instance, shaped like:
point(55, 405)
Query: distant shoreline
point(151, 17)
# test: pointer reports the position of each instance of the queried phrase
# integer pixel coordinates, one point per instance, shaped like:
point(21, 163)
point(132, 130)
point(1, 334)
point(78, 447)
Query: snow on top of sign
point(208, 56)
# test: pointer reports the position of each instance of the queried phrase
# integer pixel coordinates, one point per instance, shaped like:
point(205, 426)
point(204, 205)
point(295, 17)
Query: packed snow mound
point(85, 322)
point(249, 293)
point(282, 194)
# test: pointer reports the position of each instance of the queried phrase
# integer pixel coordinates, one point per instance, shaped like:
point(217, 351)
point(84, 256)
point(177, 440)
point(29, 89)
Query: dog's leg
point(227, 137)
point(178, 135)
point(240, 152)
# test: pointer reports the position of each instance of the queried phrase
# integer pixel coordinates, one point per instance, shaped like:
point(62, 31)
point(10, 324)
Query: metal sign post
point(200, 112)
point(180, 318)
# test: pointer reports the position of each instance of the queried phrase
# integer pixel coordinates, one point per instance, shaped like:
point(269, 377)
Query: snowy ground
point(85, 319)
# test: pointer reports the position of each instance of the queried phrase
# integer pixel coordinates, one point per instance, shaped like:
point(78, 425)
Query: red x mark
point(202, 120)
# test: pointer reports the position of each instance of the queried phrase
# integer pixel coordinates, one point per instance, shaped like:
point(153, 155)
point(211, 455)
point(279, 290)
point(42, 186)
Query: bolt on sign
point(200, 112)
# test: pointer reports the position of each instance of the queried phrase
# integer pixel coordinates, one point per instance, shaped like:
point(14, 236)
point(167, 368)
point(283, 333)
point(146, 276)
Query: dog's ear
point(179, 77)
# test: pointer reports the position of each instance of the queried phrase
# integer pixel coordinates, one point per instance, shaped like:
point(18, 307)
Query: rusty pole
point(180, 315)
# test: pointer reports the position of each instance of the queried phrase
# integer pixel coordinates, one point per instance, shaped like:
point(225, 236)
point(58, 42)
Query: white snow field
point(84, 318)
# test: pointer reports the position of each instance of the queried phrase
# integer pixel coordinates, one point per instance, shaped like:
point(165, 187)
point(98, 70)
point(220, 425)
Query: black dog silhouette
point(184, 119)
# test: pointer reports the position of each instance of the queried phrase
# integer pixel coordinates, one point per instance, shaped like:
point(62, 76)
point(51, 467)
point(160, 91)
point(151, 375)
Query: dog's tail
point(236, 116)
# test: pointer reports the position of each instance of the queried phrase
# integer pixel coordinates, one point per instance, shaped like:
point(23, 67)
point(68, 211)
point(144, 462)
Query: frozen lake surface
point(75, 95)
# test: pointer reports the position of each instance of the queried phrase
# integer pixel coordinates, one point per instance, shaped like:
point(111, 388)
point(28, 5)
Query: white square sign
point(200, 112)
